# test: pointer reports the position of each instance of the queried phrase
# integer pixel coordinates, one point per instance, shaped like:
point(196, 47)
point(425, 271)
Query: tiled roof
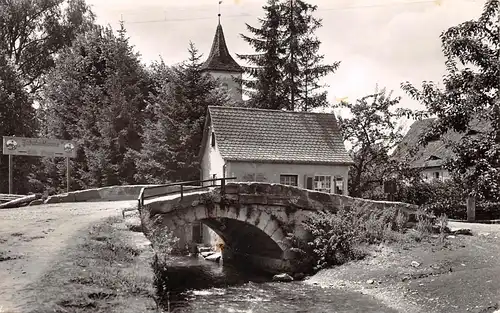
point(219, 58)
point(244, 134)
point(436, 152)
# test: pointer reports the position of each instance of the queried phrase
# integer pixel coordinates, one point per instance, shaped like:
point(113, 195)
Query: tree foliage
point(17, 118)
point(265, 86)
point(287, 67)
point(173, 135)
point(470, 92)
point(372, 130)
point(96, 95)
point(33, 32)
point(303, 66)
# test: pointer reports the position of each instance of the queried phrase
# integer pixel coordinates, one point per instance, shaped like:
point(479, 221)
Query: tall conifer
point(286, 69)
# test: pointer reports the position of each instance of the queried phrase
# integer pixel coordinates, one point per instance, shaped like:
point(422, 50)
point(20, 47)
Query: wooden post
point(182, 191)
point(223, 186)
point(10, 174)
point(67, 174)
point(471, 209)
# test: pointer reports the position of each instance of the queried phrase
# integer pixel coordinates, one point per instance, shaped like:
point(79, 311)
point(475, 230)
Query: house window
point(290, 180)
point(436, 175)
point(323, 183)
point(213, 139)
point(339, 185)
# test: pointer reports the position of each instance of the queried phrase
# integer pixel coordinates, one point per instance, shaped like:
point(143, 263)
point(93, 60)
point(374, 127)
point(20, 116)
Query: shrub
point(424, 225)
point(337, 238)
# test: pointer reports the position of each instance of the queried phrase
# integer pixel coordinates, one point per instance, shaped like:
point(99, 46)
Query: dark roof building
point(437, 151)
point(257, 135)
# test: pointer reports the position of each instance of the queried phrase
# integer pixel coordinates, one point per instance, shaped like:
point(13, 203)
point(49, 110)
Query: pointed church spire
point(219, 58)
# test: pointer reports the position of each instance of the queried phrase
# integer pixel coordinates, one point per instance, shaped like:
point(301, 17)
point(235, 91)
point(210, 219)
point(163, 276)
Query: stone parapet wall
point(113, 193)
point(309, 200)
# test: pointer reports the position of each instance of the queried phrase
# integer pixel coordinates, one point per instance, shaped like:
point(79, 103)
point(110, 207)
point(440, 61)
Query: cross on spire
point(220, 2)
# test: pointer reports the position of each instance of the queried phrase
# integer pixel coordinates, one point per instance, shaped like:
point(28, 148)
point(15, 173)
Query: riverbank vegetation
point(103, 272)
point(346, 235)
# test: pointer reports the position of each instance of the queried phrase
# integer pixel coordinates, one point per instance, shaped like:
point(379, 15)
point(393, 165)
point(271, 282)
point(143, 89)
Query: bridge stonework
point(253, 219)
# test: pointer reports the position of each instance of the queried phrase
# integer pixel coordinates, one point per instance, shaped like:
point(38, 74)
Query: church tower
point(222, 66)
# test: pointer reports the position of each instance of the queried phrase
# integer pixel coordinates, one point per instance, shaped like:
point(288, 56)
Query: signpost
point(42, 147)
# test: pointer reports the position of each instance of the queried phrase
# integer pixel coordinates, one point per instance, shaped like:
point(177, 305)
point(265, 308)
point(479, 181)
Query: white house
point(293, 148)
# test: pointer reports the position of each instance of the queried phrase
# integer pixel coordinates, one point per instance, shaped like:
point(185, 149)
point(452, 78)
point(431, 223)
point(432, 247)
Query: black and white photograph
point(250, 156)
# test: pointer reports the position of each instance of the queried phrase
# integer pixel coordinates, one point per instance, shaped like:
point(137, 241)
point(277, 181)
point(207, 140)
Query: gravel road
point(31, 239)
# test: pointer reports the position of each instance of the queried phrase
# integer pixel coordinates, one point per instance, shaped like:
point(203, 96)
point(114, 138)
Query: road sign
point(39, 147)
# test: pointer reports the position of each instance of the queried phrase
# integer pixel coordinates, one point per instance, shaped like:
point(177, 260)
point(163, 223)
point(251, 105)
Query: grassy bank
point(433, 274)
point(103, 271)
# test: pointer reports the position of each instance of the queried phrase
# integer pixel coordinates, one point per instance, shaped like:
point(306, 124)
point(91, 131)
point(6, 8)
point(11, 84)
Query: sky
point(384, 42)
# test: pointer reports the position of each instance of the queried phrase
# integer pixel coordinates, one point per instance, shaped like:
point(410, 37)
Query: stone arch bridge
point(253, 219)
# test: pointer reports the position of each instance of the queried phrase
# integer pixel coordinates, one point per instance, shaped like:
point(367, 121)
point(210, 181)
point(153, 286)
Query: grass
point(349, 234)
point(103, 272)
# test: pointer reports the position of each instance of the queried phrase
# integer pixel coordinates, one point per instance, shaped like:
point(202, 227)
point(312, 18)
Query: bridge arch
point(246, 229)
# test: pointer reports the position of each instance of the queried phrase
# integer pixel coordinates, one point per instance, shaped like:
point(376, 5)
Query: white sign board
point(39, 147)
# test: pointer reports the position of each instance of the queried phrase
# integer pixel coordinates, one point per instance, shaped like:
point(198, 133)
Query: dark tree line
point(63, 76)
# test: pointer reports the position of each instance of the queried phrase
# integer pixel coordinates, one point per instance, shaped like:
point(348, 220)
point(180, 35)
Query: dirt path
point(32, 237)
point(462, 276)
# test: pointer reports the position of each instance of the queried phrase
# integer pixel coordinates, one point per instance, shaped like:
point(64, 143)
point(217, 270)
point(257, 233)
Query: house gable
point(211, 160)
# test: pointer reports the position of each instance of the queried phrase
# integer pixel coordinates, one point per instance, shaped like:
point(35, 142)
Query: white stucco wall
point(270, 172)
point(212, 162)
point(228, 81)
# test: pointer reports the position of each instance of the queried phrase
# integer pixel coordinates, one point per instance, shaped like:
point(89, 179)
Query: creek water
point(200, 286)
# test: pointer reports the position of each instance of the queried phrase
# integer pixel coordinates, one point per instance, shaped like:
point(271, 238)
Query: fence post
point(182, 191)
point(223, 186)
point(471, 209)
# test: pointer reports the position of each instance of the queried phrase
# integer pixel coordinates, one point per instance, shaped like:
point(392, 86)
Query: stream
point(197, 285)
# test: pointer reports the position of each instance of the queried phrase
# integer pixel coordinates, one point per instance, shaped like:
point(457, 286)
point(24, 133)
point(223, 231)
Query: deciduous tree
point(372, 131)
point(17, 117)
point(470, 93)
point(33, 32)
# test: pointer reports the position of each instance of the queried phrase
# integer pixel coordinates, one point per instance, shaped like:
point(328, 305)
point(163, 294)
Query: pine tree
point(302, 64)
point(154, 160)
point(17, 118)
point(287, 67)
point(95, 96)
point(265, 85)
point(173, 136)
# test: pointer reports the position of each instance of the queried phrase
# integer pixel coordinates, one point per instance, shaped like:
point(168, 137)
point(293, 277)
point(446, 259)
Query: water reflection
point(201, 286)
